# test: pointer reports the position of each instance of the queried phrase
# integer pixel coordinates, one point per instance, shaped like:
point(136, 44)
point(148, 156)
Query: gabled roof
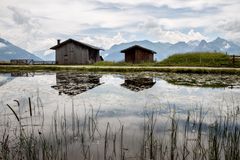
point(77, 43)
point(138, 47)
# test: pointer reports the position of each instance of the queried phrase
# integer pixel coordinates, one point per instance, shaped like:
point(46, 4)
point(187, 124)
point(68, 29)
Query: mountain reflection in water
point(76, 83)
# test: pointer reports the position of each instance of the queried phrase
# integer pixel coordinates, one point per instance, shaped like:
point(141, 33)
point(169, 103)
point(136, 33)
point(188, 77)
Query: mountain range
point(166, 49)
point(9, 51)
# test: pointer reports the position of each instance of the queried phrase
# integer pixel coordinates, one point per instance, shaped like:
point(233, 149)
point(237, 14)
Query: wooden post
point(233, 59)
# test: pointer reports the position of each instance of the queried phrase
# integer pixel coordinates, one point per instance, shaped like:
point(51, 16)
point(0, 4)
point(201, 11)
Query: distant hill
point(166, 49)
point(9, 51)
point(213, 59)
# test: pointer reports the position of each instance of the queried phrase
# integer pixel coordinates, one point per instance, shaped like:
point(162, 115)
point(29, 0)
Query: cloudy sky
point(36, 24)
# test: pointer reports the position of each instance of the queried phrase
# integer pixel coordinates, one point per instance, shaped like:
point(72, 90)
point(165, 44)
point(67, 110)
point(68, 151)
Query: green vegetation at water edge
point(110, 63)
point(90, 68)
point(196, 59)
point(200, 59)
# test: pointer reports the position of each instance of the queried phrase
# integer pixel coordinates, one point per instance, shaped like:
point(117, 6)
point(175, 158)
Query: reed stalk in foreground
point(75, 137)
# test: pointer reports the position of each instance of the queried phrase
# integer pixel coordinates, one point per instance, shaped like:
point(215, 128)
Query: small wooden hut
point(138, 54)
point(75, 52)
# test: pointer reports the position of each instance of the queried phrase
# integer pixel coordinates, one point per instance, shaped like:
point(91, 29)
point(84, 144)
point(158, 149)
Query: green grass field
point(91, 68)
point(199, 59)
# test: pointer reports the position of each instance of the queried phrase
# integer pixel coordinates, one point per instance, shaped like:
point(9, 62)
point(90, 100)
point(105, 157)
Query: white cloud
point(35, 25)
point(158, 32)
point(47, 52)
point(230, 29)
point(194, 4)
point(176, 36)
point(104, 41)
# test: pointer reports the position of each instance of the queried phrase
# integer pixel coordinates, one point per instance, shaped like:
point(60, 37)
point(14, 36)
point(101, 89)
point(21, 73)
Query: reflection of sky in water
point(112, 99)
point(5, 78)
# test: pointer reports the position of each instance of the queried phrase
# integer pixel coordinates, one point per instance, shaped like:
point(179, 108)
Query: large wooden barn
point(75, 52)
point(138, 54)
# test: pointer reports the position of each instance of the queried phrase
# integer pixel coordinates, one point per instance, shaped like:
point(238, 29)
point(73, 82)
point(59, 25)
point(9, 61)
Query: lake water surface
point(120, 99)
point(118, 95)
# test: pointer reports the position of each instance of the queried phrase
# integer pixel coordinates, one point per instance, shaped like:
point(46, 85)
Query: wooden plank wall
point(138, 56)
point(130, 56)
point(72, 54)
point(143, 56)
point(80, 55)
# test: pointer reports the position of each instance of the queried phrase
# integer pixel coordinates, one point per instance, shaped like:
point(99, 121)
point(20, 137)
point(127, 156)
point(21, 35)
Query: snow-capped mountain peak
point(227, 45)
point(194, 43)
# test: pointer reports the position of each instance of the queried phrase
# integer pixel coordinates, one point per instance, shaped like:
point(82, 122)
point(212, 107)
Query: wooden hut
point(75, 52)
point(138, 54)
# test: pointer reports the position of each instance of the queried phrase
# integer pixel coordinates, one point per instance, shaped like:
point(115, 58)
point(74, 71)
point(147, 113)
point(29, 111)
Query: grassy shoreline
point(92, 68)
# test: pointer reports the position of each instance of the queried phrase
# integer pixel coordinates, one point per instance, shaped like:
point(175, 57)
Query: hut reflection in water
point(137, 84)
point(76, 83)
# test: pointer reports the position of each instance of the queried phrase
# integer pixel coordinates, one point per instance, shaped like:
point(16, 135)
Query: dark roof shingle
point(76, 42)
point(140, 47)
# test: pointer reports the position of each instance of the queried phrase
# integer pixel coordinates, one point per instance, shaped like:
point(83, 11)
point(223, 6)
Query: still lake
point(124, 97)
point(74, 115)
